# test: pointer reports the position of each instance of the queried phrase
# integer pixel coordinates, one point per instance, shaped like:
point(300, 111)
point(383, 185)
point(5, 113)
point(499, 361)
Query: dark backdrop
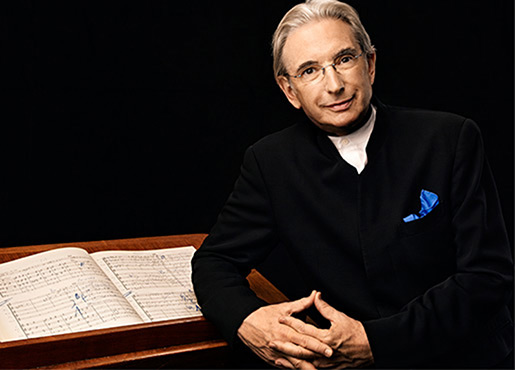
point(130, 119)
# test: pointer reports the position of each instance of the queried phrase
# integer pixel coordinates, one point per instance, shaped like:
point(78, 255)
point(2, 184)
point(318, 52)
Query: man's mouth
point(340, 105)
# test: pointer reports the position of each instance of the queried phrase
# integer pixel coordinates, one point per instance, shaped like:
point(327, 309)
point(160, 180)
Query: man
point(390, 213)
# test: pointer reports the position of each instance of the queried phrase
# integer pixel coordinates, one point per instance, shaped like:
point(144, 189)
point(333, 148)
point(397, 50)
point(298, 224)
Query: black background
point(127, 119)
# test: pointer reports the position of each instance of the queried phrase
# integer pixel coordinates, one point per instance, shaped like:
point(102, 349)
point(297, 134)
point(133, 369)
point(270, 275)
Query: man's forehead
point(317, 41)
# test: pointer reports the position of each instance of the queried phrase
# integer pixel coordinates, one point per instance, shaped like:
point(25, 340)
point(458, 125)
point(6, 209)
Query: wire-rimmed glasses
point(315, 72)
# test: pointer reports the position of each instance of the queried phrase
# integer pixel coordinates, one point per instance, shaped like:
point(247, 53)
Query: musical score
point(156, 283)
point(68, 290)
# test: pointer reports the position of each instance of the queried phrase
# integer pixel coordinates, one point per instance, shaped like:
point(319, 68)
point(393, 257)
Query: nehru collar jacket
point(430, 292)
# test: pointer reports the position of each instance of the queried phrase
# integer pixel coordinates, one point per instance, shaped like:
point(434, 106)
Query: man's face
point(338, 102)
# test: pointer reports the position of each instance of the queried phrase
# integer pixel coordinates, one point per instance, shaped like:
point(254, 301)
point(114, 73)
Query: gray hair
point(311, 10)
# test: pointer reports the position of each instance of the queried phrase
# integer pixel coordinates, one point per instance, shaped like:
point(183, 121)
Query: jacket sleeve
point(242, 237)
point(470, 304)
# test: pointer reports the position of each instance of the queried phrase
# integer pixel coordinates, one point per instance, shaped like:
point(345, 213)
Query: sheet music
point(56, 292)
point(157, 283)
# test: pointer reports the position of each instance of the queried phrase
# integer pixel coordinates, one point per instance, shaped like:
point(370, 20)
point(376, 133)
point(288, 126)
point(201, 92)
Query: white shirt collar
point(352, 147)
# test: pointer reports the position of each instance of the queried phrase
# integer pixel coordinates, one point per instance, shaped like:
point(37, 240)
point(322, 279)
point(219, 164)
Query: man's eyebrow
point(305, 65)
point(344, 51)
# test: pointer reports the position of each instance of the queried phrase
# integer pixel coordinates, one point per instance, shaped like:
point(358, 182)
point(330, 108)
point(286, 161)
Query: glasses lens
point(311, 74)
point(347, 62)
point(343, 63)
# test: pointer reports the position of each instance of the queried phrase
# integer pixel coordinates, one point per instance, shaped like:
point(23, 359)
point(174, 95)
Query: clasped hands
point(287, 342)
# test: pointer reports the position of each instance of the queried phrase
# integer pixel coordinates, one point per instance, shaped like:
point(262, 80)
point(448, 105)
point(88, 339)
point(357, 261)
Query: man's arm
point(242, 237)
point(469, 302)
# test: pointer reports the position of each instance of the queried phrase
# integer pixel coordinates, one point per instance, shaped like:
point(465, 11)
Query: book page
point(157, 283)
point(56, 292)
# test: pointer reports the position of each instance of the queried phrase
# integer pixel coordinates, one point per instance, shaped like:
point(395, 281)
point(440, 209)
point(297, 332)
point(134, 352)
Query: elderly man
point(390, 213)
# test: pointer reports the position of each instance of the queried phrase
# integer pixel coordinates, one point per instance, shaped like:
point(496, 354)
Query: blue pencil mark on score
point(191, 303)
point(79, 311)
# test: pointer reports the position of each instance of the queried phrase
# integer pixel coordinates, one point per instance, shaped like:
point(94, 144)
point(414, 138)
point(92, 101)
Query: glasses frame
point(333, 64)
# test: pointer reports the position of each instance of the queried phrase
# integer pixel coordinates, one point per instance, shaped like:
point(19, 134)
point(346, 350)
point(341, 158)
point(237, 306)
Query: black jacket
point(430, 292)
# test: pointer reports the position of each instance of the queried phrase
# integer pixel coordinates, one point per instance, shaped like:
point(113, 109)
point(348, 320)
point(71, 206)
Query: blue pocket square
point(428, 202)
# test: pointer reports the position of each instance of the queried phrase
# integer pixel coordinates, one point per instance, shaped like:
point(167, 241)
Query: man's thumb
point(323, 307)
point(303, 303)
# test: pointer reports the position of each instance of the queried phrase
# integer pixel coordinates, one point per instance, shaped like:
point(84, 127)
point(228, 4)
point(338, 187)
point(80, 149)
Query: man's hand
point(262, 332)
point(346, 337)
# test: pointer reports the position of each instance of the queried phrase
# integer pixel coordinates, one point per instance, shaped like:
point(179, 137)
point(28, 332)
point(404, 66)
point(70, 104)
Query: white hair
point(311, 10)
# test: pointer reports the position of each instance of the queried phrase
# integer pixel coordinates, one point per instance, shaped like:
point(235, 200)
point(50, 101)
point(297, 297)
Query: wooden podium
point(183, 343)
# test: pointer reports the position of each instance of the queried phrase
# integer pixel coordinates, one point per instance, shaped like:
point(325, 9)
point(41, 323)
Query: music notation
point(157, 283)
point(68, 290)
point(46, 273)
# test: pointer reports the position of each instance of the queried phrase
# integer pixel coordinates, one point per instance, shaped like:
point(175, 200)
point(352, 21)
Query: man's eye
point(308, 71)
point(346, 59)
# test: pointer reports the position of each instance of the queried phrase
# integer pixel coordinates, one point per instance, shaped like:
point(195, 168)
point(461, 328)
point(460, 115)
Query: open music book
point(68, 290)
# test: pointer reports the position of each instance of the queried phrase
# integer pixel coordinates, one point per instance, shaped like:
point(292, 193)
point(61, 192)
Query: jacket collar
point(381, 129)
point(375, 143)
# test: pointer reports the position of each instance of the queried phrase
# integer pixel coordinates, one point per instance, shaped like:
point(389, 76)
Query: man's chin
point(339, 128)
point(345, 123)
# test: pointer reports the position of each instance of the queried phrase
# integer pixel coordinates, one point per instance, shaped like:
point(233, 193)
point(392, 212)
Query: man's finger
point(284, 363)
point(294, 363)
point(301, 304)
point(292, 350)
point(315, 343)
point(324, 308)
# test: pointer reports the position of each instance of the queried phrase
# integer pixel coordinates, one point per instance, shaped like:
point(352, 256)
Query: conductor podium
point(180, 343)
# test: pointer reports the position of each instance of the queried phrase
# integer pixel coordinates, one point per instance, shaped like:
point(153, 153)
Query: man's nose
point(333, 80)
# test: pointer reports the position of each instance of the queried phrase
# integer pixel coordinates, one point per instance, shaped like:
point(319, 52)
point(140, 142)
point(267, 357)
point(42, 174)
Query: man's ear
point(288, 90)
point(371, 60)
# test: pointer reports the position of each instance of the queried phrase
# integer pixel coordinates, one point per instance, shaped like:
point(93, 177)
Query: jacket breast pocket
point(424, 224)
point(424, 254)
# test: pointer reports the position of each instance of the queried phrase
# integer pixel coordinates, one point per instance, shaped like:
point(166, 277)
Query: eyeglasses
point(315, 73)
